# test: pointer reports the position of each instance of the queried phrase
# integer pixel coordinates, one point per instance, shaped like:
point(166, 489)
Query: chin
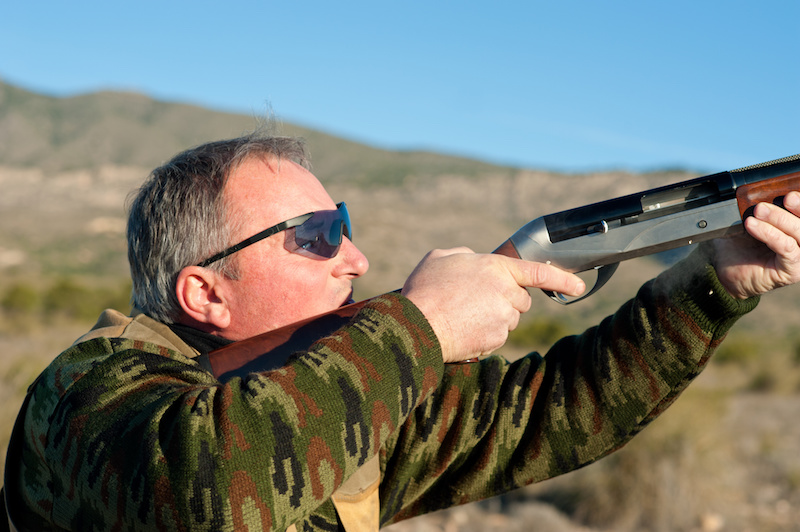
point(348, 301)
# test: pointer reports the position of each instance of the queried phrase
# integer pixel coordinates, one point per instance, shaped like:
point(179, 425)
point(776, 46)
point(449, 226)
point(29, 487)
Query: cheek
point(306, 297)
point(293, 296)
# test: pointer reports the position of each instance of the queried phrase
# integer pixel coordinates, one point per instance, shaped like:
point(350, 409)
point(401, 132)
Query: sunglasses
point(318, 234)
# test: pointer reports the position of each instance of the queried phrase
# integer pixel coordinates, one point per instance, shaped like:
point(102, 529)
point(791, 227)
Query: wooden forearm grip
point(769, 191)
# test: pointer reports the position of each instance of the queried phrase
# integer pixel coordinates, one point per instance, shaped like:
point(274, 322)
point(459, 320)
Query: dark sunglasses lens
point(321, 234)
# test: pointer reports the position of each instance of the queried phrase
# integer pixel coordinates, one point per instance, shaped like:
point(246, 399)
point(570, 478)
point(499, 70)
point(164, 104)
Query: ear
point(201, 295)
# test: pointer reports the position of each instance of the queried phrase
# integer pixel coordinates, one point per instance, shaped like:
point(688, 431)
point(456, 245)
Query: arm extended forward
point(601, 235)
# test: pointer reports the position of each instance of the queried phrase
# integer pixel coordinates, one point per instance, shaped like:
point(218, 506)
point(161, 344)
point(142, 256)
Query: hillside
point(67, 166)
point(126, 129)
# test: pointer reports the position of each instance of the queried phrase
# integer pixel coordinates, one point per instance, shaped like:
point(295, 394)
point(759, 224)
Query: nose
point(352, 262)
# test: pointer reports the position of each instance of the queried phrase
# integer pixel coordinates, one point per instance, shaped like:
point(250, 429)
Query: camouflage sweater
point(130, 435)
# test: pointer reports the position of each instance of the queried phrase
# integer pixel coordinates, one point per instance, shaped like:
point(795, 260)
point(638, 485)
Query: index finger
point(546, 277)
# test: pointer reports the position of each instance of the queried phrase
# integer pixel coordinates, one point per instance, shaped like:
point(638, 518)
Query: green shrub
point(117, 298)
point(25, 304)
point(74, 300)
point(68, 298)
point(737, 351)
point(539, 333)
point(21, 298)
point(763, 381)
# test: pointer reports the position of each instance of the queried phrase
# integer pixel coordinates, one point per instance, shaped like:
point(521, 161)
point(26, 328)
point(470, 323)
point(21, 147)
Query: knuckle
point(541, 275)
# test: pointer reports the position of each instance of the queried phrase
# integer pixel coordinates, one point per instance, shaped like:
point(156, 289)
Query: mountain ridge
point(131, 129)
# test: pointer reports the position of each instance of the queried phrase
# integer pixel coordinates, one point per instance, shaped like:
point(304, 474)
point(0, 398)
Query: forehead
point(267, 191)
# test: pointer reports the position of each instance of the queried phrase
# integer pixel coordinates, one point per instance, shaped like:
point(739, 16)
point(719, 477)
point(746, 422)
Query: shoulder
point(113, 352)
point(139, 327)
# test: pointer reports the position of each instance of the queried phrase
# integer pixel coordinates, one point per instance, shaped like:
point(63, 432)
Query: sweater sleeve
point(494, 426)
point(122, 434)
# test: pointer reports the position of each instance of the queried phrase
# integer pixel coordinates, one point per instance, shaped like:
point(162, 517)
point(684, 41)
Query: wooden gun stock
point(768, 182)
point(270, 350)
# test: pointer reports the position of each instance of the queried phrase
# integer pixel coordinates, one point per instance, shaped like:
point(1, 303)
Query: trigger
point(604, 273)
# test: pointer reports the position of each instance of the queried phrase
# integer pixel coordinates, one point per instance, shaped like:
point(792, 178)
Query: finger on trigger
point(549, 277)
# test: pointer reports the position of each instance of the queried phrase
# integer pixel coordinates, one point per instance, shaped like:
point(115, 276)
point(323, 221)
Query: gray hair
point(178, 217)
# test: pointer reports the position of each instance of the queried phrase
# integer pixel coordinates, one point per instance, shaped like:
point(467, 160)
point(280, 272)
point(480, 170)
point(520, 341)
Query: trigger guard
point(604, 273)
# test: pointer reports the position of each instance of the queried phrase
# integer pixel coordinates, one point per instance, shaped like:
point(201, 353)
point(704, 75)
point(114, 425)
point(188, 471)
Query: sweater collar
point(199, 340)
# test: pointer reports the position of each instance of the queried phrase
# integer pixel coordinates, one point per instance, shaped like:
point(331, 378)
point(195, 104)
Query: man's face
point(277, 287)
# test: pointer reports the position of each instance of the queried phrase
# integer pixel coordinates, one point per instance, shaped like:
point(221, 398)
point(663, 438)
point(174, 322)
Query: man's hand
point(766, 258)
point(472, 300)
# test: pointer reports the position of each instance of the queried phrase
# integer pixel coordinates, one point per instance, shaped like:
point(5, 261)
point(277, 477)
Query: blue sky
point(570, 85)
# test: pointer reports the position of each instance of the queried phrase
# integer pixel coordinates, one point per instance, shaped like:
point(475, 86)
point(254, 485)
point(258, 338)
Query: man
point(126, 430)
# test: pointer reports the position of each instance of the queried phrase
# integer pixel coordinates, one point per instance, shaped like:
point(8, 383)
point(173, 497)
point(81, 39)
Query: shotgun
point(593, 237)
